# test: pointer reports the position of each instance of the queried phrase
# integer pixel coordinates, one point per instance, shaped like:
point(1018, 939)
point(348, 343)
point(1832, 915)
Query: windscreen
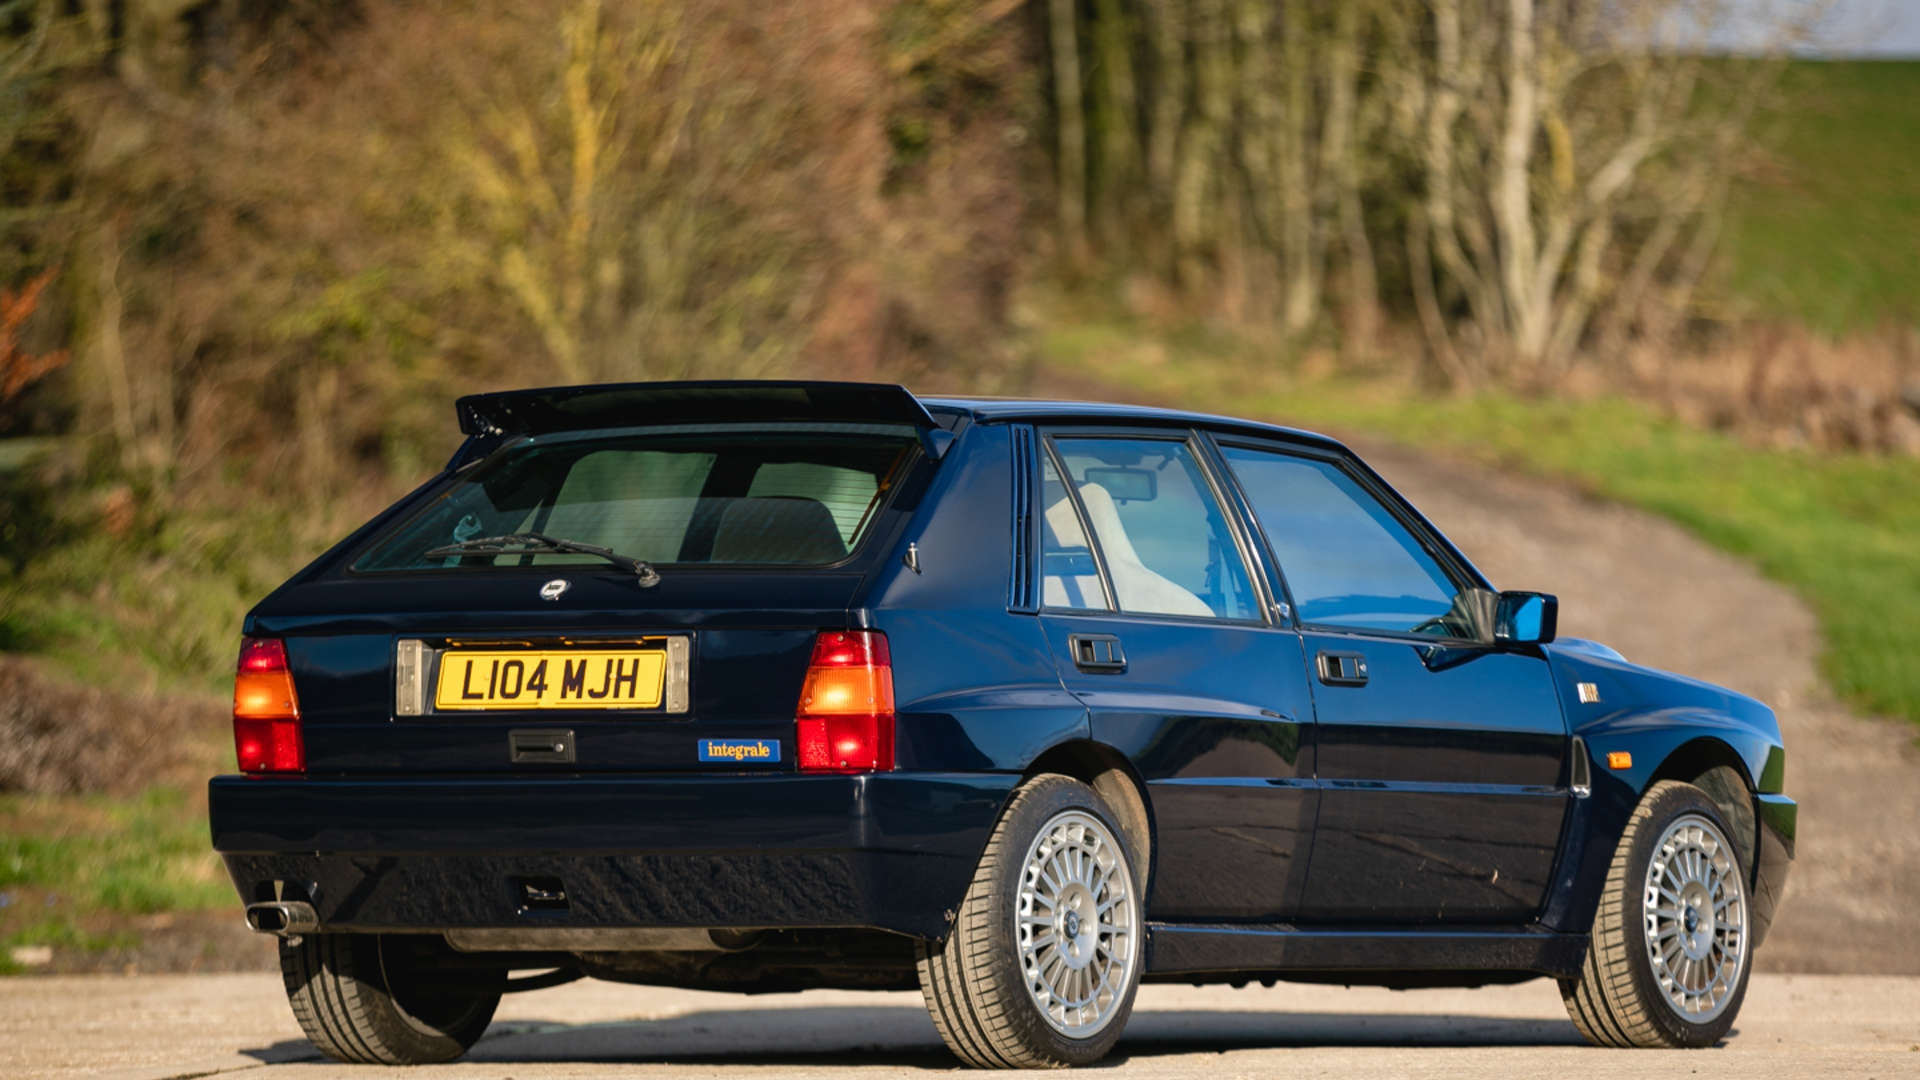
point(798, 496)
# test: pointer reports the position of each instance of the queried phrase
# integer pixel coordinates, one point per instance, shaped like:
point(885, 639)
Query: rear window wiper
point(530, 543)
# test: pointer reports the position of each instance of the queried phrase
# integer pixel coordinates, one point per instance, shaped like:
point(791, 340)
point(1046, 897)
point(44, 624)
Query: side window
point(1347, 560)
point(1161, 533)
point(1069, 578)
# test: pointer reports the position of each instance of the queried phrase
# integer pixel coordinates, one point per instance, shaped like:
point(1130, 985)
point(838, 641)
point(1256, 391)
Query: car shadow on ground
point(903, 1036)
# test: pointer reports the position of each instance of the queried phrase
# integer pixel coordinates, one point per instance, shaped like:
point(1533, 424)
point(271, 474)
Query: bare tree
point(1556, 165)
point(1552, 127)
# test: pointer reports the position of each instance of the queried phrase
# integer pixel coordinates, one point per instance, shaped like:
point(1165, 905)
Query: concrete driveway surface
point(179, 1026)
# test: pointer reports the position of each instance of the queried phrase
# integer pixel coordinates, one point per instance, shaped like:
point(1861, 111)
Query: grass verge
point(1839, 528)
point(76, 872)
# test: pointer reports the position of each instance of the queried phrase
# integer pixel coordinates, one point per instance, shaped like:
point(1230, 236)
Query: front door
point(1440, 761)
point(1157, 626)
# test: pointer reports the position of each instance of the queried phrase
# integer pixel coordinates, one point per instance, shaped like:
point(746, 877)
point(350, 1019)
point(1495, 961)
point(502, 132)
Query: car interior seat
point(777, 529)
point(1138, 586)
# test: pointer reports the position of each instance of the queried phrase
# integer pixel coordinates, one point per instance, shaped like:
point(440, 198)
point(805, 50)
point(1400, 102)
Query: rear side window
point(1071, 578)
point(804, 497)
point(1160, 534)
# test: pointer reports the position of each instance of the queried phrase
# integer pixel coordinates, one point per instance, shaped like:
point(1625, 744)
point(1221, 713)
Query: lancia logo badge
point(552, 589)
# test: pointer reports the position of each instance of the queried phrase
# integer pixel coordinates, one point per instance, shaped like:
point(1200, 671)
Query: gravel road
point(163, 1027)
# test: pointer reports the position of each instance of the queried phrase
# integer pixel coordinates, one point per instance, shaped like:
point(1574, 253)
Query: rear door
point(1441, 762)
point(1150, 604)
point(415, 656)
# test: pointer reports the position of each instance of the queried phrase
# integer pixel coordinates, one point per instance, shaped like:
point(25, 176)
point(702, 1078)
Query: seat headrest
point(777, 529)
point(1104, 516)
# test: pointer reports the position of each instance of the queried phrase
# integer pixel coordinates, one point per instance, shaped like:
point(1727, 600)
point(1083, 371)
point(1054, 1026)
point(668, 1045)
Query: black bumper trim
point(1779, 822)
point(889, 851)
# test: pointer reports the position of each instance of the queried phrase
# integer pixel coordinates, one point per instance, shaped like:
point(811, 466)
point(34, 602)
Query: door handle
point(1342, 668)
point(1097, 652)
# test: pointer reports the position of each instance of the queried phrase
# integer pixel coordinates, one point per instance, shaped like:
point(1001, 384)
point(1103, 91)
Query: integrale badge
point(740, 750)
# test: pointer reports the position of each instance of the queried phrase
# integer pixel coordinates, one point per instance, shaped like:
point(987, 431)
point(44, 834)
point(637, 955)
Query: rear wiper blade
point(542, 544)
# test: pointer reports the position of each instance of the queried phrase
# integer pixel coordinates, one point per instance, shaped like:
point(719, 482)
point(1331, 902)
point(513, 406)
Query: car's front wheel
point(1670, 956)
point(369, 999)
point(1045, 954)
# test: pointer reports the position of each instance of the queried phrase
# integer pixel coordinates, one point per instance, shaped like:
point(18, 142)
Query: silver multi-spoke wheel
point(1075, 922)
point(1668, 961)
point(1696, 918)
point(1045, 954)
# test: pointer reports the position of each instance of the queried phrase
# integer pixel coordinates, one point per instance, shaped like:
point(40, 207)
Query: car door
point(1441, 760)
point(1158, 626)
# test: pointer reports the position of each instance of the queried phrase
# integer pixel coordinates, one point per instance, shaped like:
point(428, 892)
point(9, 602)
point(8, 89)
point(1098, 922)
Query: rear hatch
point(446, 640)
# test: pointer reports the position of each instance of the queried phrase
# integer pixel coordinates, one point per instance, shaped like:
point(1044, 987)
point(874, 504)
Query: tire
point(1687, 993)
point(992, 1009)
point(368, 999)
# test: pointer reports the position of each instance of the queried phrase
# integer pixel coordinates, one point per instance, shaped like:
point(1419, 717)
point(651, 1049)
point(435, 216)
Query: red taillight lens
point(845, 720)
point(266, 712)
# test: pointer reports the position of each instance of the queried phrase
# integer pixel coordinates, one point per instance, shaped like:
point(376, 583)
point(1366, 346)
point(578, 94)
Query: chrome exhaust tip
point(287, 918)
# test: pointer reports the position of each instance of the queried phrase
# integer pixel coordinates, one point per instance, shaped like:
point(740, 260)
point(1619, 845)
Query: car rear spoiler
point(487, 419)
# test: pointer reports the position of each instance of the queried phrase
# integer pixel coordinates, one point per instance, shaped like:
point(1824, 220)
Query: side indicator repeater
point(1619, 759)
point(1589, 693)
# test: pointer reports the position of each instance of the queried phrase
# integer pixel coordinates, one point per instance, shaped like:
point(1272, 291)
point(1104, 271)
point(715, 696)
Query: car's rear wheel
point(1045, 955)
point(371, 999)
point(1670, 956)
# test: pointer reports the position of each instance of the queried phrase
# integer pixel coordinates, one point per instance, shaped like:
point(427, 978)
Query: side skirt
point(1371, 955)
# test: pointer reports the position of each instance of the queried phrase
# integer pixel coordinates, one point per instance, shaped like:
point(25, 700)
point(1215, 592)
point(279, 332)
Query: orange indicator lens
point(845, 719)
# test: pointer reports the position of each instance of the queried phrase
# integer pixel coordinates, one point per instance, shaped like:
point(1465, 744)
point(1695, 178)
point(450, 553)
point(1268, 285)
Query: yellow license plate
point(569, 679)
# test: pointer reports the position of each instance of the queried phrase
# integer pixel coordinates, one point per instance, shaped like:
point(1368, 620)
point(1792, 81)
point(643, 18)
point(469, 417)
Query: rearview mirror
point(1124, 484)
point(1526, 618)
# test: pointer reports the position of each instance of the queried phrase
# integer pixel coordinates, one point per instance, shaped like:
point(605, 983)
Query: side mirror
point(1525, 618)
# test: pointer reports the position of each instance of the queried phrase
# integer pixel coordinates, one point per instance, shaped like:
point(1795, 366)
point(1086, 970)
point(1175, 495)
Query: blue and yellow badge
point(740, 751)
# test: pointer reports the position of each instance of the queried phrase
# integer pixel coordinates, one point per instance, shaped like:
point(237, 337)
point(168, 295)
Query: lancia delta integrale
point(778, 685)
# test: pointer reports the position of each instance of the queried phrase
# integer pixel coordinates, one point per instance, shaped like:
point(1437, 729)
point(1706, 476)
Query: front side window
point(804, 497)
point(1347, 560)
point(1162, 536)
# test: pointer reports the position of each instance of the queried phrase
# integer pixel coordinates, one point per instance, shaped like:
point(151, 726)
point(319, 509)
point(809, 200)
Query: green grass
point(1842, 529)
point(167, 586)
point(1826, 227)
point(80, 856)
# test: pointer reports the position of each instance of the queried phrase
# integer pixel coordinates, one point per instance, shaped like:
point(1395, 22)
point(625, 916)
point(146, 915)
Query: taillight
point(845, 719)
point(266, 712)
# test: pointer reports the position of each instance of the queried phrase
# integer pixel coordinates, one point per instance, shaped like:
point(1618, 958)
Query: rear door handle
point(1097, 652)
point(1342, 668)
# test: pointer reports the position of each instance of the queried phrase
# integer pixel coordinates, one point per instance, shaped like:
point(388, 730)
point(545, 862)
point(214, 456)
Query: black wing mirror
point(1525, 618)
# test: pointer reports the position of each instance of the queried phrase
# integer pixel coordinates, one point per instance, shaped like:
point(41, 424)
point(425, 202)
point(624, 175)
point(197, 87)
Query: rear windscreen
point(800, 497)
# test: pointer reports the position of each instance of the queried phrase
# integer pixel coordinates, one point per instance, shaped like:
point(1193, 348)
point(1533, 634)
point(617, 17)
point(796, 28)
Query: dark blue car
point(766, 686)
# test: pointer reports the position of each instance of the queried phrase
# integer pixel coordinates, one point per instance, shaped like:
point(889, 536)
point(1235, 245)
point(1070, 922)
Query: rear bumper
point(1779, 822)
point(890, 851)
